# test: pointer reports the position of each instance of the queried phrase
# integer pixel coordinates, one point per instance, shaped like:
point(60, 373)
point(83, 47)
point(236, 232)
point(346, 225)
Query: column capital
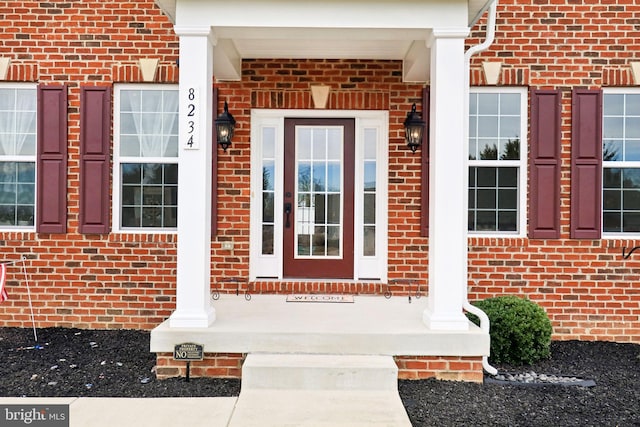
point(447, 33)
point(199, 31)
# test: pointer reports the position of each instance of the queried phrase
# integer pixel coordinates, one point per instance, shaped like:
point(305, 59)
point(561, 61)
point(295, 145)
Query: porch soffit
point(323, 29)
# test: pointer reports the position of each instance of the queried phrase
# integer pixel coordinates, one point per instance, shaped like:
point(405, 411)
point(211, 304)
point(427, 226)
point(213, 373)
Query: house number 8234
point(191, 119)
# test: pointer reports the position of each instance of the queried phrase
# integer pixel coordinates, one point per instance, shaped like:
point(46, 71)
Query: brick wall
point(229, 365)
point(87, 281)
point(128, 281)
point(587, 288)
point(451, 368)
point(219, 365)
point(355, 84)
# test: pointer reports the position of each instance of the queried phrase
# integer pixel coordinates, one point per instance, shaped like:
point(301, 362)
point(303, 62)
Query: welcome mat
point(320, 298)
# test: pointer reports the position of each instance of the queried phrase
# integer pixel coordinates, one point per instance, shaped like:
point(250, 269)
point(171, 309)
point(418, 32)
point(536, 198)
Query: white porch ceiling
point(333, 29)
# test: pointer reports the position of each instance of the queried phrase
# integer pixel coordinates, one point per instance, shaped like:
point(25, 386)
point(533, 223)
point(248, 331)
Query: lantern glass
point(225, 126)
point(414, 129)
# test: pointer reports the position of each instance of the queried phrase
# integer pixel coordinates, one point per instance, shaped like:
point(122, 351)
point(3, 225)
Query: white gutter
point(491, 33)
point(484, 325)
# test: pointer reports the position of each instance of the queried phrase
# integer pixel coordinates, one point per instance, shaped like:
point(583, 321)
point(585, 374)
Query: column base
point(451, 322)
point(192, 319)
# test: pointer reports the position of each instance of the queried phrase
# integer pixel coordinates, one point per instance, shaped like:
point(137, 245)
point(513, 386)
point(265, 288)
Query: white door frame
point(271, 122)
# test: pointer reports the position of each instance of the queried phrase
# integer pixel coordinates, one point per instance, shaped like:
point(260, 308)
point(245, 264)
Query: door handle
point(287, 211)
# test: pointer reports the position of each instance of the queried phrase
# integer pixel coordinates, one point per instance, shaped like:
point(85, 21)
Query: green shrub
point(520, 329)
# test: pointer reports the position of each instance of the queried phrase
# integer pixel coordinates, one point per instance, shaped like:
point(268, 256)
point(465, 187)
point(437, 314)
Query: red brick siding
point(111, 281)
point(587, 288)
point(229, 365)
point(452, 368)
point(128, 281)
point(220, 365)
point(354, 85)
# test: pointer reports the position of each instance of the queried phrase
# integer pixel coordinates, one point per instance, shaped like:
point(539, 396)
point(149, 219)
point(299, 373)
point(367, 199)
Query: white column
point(448, 176)
point(193, 301)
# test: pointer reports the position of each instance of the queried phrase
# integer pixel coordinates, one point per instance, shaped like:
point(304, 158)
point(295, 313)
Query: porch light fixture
point(413, 128)
point(225, 125)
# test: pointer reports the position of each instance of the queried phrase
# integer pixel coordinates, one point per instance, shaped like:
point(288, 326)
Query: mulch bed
point(73, 362)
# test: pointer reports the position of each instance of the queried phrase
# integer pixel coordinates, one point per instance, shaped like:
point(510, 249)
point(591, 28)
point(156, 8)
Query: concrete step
point(322, 408)
point(319, 372)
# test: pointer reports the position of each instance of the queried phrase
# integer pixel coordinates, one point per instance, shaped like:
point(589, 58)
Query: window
point(146, 158)
point(18, 104)
point(621, 162)
point(497, 161)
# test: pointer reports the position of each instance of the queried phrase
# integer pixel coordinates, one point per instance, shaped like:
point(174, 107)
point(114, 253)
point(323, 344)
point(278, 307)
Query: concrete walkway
point(143, 412)
point(264, 409)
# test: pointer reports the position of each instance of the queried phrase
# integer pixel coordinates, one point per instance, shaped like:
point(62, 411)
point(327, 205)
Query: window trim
point(25, 159)
point(118, 160)
point(522, 164)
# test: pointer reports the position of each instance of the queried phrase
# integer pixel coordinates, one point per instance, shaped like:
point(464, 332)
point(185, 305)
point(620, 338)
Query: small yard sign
point(188, 351)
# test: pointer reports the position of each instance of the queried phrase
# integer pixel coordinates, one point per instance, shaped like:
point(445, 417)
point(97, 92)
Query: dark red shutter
point(586, 163)
point(51, 204)
point(424, 185)
point(544, 164)
point(214, 168)
point(95, 127)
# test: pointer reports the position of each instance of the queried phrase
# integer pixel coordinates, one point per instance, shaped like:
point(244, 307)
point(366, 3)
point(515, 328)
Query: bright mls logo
point(34, 415)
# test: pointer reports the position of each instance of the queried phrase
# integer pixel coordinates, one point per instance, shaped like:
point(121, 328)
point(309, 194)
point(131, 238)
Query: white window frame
point(521, 164)
point(25, 159)
point(615, 164)
point(118, 160)
point(366, 268)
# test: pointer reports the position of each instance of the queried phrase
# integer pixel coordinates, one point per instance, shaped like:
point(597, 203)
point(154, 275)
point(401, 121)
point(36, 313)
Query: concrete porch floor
point(371, 325)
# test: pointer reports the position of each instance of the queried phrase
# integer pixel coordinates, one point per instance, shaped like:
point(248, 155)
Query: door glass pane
point(333, 209)
point(370, 176)
point(303, 149)
point(333, 240)
point(369, 208)
point(268, 143)
point(319, 241)
point(304, 176)
point(334, 144)
point(319, 208)
point(268, 190)
point(319, 144)
point(267, 239)
point(267, 208)
point(369, 196)
point(334, 172)
point(369, 240)
point(319, 174)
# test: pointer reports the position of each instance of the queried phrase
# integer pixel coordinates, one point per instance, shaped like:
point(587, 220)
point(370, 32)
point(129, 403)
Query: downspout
point(490, 36)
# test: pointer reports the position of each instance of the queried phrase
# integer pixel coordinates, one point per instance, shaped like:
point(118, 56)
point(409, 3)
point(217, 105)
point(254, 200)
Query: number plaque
point(191, 117)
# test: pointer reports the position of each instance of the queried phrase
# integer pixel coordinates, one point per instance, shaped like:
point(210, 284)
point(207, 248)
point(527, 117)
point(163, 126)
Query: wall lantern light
point(413, 128)
point(225, 125)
